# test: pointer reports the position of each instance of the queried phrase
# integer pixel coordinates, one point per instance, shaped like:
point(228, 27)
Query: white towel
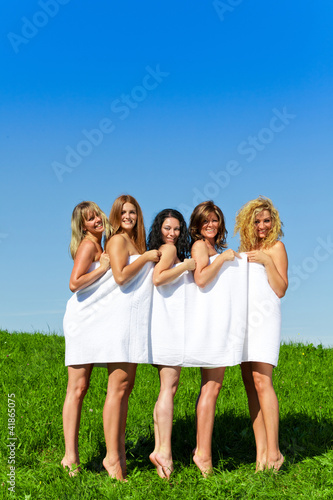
point(108, 323)
point(262, 339)
point(168, 324)
point(216, 318)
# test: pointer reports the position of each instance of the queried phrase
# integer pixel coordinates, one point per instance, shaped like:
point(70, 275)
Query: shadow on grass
point(233, 442)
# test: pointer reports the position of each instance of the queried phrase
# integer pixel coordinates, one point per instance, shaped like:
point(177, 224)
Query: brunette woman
point(217, 327)
point(169, 235)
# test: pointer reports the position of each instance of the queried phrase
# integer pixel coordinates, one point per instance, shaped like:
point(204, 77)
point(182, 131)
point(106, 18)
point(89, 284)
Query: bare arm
point(118, 252)
point(164, 272)
point(205, 272)
point(85, 256)
point(275, 261)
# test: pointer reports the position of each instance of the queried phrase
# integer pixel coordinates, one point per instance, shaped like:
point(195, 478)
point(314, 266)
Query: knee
point(79, 390)
point(261, 383)
point(121, 390)
point(211, 390)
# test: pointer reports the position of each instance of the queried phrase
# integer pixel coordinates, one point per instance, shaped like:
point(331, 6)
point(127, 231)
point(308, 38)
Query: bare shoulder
point(86, 247)
point(278, 248)
point(199, 246)
point(117, 240)
point(168, 250)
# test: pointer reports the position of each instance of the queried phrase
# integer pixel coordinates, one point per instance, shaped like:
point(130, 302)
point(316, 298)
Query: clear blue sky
point(173, 103)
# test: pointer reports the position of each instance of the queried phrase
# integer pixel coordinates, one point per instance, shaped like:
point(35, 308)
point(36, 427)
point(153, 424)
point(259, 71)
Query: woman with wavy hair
point(168, 235)
point(259, 226)
point(220, 340)
point(90, 263)
point(129, 309)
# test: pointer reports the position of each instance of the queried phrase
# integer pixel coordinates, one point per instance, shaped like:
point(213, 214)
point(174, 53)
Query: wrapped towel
point(216, 318)
point(262, 339)
point(168, 324)
point(108, 323)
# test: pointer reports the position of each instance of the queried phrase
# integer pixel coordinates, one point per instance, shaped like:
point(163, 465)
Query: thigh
point(79, 375)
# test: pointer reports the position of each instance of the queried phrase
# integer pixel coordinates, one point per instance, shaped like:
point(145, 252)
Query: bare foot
point(73, 468)
point(260, 466)
point(205, 465)
point(114, 469)
point(276, 464)
point(159, 468)
point(166, 464)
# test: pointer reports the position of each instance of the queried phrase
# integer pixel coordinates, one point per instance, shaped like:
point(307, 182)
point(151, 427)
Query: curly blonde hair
point(79, 216)
point(245, 224)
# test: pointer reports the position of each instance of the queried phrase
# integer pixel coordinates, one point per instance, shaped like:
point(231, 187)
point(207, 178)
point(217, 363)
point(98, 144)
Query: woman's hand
point(104, 261)
point(190, 264)
point(230, 255)
point(153, 255)
point(258, 256)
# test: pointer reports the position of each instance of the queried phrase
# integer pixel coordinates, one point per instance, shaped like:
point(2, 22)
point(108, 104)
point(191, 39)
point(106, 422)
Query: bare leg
point(120, 385)
point(78, 383)
point(262, 376)
point(152, 456)
point(256, 416)
point(163, 417)
point(211, 383)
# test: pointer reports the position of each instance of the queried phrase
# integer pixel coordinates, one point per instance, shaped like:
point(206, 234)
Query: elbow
point(200, 283)
point(120, 280)
point(73, 288)
point(157, 281)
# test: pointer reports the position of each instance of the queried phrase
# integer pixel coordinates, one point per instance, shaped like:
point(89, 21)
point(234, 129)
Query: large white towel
point(262, 339)
point(216, 318)
point(168, 324)
point(108, 323)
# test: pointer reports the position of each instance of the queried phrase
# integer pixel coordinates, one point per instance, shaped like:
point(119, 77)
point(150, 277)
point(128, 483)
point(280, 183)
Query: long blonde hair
point(245, 224)
point(139, 233)
point(79, 216)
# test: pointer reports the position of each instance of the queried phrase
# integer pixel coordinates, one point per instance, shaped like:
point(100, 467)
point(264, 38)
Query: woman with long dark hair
point(169, 235)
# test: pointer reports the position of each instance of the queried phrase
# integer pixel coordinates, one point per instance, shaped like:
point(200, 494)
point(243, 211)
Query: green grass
point(32, 367)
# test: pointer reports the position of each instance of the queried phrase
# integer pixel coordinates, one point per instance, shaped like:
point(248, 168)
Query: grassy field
point(34, 378)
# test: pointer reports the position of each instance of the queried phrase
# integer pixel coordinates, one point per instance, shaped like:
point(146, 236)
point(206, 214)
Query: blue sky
point(173, 103)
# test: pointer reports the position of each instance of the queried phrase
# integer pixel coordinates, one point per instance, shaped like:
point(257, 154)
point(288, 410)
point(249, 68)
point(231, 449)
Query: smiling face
point(170, 230)
point(93, 224)
point(129, 217)
point(263, 224)
point(210, 226)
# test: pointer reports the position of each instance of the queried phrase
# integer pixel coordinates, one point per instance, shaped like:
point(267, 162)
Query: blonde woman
point(259, 226)
point(90, 263)
point(132, 269)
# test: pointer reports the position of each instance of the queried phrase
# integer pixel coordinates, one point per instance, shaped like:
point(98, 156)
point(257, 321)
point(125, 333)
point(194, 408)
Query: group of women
point(181, 299)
